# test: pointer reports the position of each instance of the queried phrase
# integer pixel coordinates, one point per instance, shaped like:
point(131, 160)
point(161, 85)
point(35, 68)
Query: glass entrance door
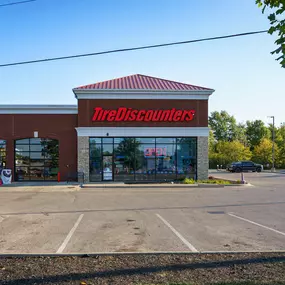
point(107, 168)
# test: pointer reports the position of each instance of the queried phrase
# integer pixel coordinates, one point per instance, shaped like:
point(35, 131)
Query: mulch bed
point(267, 268)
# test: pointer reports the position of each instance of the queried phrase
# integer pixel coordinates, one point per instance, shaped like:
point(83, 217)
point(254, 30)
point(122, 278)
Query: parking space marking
point(186, 242)
point(257, 224)
point(70, 234)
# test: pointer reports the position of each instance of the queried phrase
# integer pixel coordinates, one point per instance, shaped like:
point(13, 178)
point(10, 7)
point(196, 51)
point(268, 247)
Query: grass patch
point(206, 181)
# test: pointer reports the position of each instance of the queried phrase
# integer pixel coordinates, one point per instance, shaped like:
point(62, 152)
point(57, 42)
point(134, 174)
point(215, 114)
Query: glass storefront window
point(95, 162)
point(107, 149)
point(95, 150)
point(2, 154)
point(143, 159)
point(95, 174)
point(23, 141)
point(95, 140)
point(165, 161)
point(22, 148)
point(145, 162)
point(36, 159)
point(22, 173)
point(107, 140)
point(124, 160)
point(145, 140)
point(165, 140)
point(186, 158)
point(118, 140)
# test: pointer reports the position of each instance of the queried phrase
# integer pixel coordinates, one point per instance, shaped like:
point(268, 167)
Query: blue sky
point(249, 83)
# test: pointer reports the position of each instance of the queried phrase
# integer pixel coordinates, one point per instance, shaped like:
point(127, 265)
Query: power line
point(16, 3)
point(130, 49)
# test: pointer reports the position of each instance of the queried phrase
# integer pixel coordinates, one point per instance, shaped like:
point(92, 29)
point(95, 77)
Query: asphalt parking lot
point(262, 179)
point(144, 220)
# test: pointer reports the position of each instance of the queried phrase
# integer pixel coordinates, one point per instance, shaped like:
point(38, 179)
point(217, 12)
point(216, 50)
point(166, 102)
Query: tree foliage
point(277, 22)
point(255, 132)
point(230, 141)
point(227, 152)
point(223, 126)
point(262, 153)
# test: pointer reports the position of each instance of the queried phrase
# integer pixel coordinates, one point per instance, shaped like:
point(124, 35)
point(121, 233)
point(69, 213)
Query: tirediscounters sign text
point(123, 114)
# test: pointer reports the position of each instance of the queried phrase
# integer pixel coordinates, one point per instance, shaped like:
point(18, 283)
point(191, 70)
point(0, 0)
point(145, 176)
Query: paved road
point(104, 220)
point(262, 179)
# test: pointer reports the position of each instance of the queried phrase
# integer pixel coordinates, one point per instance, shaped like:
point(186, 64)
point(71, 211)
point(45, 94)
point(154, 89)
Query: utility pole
point(273, 142)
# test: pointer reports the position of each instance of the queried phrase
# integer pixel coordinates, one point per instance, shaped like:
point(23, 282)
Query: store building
point(134, 128)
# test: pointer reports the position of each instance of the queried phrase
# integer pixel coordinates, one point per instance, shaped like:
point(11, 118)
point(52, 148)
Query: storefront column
point(83, 157)
point(202, 158)
point(10, 158)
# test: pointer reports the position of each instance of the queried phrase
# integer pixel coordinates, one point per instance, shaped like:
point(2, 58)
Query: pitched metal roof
point(142, 82)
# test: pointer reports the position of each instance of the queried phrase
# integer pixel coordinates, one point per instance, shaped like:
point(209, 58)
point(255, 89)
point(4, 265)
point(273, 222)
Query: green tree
point(280, 141)
point(241, 134)
point(277, 22)
point(224, 126)
point(262, 153)
point(227, 152)
point(212, 141)
point(255, 132)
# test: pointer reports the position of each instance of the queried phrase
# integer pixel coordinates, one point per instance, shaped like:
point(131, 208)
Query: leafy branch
point(277, 23)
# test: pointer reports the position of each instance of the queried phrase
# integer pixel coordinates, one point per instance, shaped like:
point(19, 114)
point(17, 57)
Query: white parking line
point(186, 242)
point(254, 223)
point(70, 234)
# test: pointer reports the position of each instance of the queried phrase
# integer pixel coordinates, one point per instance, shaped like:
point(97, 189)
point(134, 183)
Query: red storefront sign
point(124, 114)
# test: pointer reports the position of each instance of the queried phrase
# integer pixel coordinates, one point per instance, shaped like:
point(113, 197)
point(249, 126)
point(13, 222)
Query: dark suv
point(242, 166)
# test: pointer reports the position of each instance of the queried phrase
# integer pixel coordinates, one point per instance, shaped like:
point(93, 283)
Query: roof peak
point(142, 82)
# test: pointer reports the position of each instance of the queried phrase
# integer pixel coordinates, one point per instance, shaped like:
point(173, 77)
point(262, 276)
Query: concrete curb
point(95, 254)
point(182, 186)
point(77, 188)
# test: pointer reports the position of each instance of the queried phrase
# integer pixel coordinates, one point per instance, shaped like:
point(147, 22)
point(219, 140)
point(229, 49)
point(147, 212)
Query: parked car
point(242, 166)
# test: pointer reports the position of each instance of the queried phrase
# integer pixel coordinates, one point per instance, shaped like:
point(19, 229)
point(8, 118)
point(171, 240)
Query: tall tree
point(212, 141)
point(227, 152)
point(224, 126)
point(277, 22)
point(255, 132)
point(241, 134)
point(263, 152)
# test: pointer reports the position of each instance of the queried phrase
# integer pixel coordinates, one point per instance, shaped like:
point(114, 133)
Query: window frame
point(151, 141)
point(3, 142)
point(45, 158)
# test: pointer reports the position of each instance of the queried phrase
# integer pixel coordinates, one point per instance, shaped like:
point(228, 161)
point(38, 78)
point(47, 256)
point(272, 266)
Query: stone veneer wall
point(202, 158)
point(83, 157)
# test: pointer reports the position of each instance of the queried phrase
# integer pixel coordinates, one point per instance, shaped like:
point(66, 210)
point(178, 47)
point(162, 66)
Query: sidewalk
point(70, 187)
point(40, 187)
point(135, 185)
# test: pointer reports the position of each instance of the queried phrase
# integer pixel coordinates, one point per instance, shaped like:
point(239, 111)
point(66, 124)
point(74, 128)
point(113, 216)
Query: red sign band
point(123, 114)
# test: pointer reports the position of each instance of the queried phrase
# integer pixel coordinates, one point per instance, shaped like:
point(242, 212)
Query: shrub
point(189, 181)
